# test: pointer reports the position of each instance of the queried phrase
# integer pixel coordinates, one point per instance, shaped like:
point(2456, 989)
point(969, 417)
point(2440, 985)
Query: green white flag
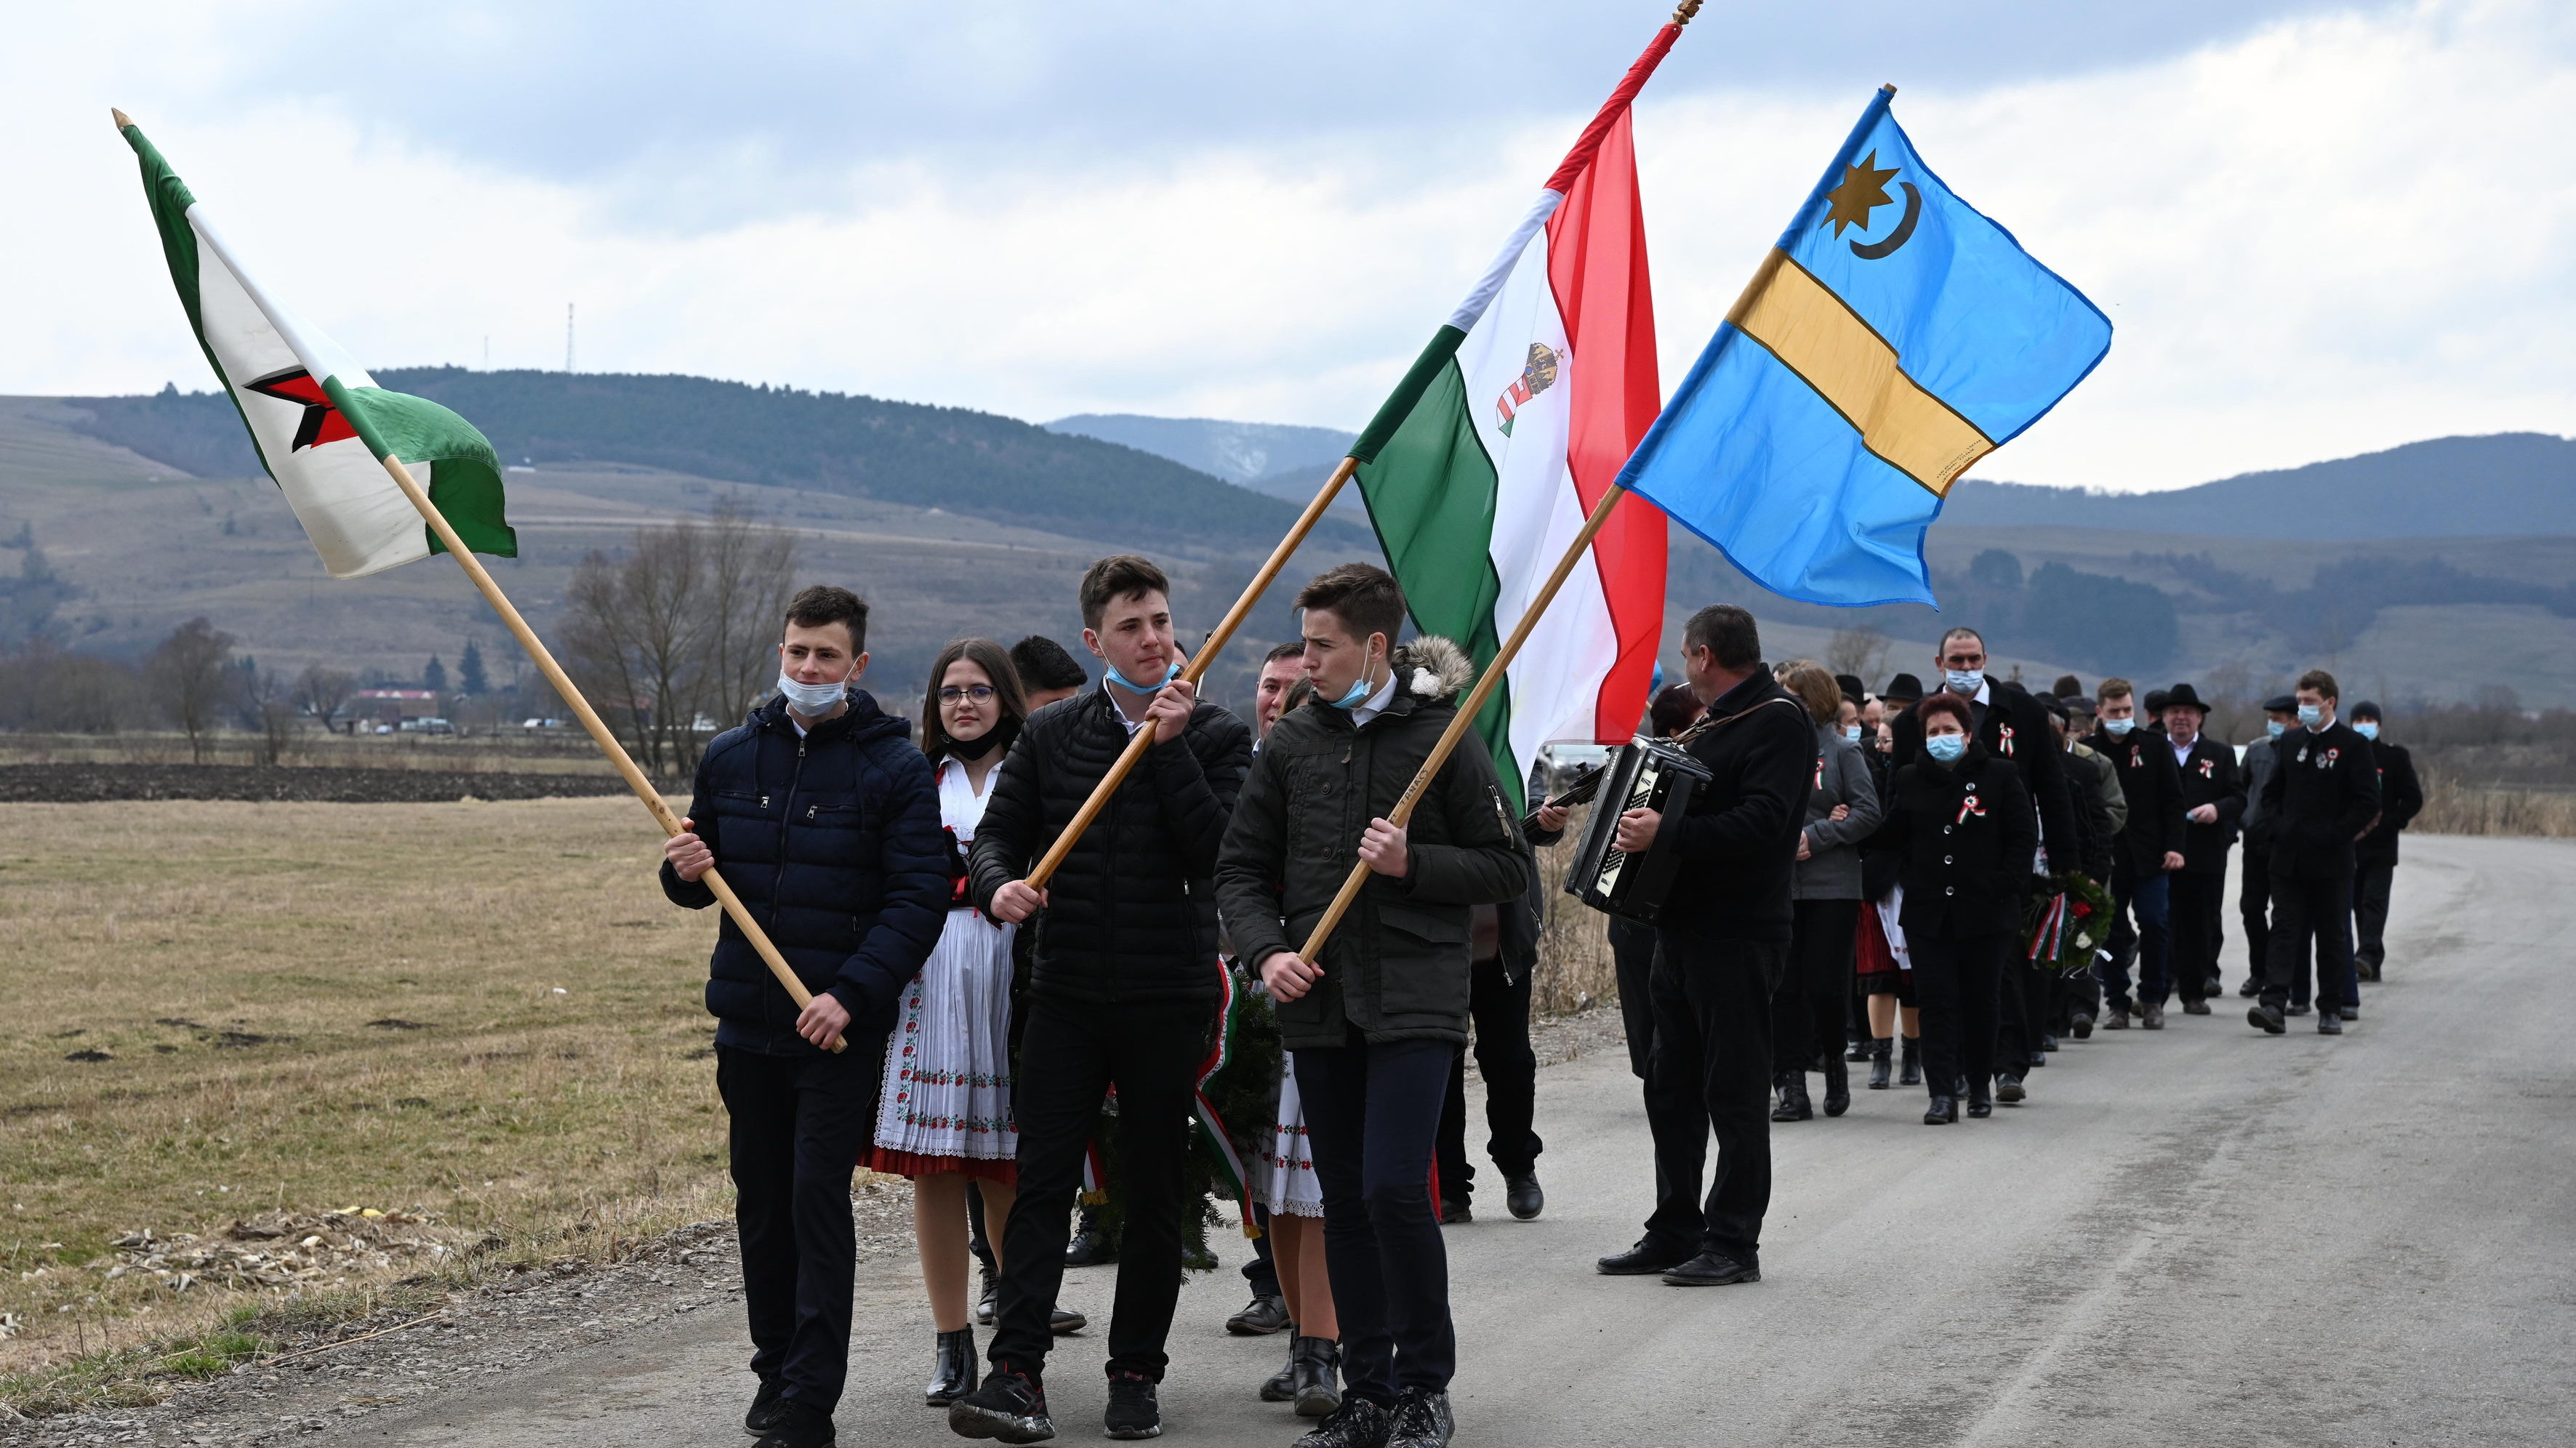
point(320, 423)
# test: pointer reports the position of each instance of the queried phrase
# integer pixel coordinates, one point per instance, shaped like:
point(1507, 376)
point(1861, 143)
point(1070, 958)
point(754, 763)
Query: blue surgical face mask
point(2367, 729)
point(1963, 683)
point(1852, 732)
point(2119, 727)
point(812, 699)
point(1359, 691)
point(2311, 715)
point(1111, 675)
point(1946, 747)
point(2275, 728)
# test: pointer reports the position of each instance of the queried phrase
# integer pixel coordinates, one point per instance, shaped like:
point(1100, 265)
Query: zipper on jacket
point(778, 882)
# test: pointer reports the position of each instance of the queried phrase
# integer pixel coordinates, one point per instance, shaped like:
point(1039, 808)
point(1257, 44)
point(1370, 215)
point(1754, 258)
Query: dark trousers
point(2254, 908)
point(798, 1125)
point(1711, 1074)
point(1371, 1114)
point(1073, 1053)
point(2370, 888)
point(2305, 910)
point(1632, 954)
point(2141, 899)
point(2196, 901)
point(2024, 998)
point(1261, 1269)
point(1811, 1011)
point(1500, 1007)
point(1959, 979)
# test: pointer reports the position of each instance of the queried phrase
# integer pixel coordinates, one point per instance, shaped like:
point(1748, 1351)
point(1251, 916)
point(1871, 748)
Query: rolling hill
point(955, 459)
point(1239, 452)
point(2504, 485)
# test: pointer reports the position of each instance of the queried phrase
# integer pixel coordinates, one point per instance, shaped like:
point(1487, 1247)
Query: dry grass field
point(485, 1013)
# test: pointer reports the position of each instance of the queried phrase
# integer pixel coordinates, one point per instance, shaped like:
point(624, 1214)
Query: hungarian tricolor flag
point(321, 424)
point(1481, 469)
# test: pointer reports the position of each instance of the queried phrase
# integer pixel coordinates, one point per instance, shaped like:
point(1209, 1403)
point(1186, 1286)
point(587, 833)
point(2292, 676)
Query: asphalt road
point(2201, 1236)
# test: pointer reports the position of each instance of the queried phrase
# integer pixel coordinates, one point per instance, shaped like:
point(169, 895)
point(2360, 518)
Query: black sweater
point(1739, 838)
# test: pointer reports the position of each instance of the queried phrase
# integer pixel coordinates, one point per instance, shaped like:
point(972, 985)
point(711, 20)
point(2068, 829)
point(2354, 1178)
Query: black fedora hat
point(2185, 697)
point(1904, 689)
point(2281, 704)
point(2154, 703)
point(1853, 689)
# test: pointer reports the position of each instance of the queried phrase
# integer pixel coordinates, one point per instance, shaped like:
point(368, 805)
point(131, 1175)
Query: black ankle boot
point(1794, 1105)
point(954, 1377)
point(1879, 1053)
point(1910, 1068)
point(1318, 1370)
point(1837, 1087)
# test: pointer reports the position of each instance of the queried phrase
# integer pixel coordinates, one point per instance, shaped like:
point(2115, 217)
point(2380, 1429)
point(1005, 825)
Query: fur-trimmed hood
point(1433, 669)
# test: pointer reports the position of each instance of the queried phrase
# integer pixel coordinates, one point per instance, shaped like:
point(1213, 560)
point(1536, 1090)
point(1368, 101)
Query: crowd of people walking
point(1884, 879)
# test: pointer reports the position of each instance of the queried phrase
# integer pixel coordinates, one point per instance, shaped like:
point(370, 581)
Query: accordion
point(1653, 774)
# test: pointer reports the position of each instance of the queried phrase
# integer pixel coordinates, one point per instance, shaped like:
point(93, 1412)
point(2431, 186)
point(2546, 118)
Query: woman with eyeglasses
point(944, 1117)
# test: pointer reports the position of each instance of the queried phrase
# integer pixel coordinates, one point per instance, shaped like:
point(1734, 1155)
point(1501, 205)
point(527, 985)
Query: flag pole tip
point(1889, 87)
point(122, 119)
point(1682, 14)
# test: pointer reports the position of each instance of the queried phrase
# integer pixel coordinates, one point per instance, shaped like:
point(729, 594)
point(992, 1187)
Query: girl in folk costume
point(944, 1116)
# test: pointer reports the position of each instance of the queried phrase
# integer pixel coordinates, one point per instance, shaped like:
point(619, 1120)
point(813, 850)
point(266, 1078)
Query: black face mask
point(972, 750)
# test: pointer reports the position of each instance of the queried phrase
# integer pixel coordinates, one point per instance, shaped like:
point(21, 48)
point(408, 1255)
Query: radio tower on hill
point(568, 336)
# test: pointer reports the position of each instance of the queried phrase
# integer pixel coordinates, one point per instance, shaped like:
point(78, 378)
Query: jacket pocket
point(1422, 966)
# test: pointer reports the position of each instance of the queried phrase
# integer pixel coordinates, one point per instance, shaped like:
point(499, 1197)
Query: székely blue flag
point(1892, 338)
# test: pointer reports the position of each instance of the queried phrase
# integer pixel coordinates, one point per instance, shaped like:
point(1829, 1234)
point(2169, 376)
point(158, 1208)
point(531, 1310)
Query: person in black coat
point(2401, 798)
point(2323, 794)
point(2013, 725)
point(2254, 881)
point(1962, 820)
point(1123, 987)
point(825, 821)
point(1724, 931)
point(2148, 848)
point(2213, 800)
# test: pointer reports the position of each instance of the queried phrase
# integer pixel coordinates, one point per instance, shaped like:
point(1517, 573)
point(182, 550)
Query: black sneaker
point(1132, 1410)
point(1259, 1318)
point(766, 1405)
point(2266, 1018)
point(799, 1426)
point(1008, 1406)
point(1421, 1420)
point(2329, 1024)
point(1357, 1423)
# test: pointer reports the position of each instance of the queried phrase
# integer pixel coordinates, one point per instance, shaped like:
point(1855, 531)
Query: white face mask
point(812, 699)
point(2119, 727)
point(1963, 684)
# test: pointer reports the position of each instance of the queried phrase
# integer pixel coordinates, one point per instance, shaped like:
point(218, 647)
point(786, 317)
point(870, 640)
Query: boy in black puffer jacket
point(1378, 1021)
point(1123, 991)
point(825, 820)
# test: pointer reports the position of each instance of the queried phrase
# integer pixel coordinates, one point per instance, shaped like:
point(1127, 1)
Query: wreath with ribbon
point(2064, 923)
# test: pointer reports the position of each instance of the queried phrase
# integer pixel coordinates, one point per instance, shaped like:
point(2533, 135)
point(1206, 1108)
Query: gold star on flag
point(1864, 187)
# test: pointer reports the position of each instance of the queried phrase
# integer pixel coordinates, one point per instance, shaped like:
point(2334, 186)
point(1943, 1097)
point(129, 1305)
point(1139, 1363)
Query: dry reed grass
point(482, 1011)
point(1575, 969)
point(2452, 807)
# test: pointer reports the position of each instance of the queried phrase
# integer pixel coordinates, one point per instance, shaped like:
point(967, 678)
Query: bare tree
point(193, 668)
point(633, 633)
point(1860, 650)
point(323, 693)
point(750, 569)
point(273, 705)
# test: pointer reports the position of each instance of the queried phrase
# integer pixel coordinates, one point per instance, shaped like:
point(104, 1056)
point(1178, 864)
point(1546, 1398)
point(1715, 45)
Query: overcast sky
point(2319, 228)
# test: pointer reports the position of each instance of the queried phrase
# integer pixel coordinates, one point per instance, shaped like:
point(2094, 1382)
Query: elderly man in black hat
point(1902, 692)
point(2401, 798)
point(2213, 800)
point(2254, 889)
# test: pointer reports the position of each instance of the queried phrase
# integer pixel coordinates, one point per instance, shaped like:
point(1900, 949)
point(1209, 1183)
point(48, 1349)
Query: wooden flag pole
point(598, 728)
point(1197, 668)
point(1466, 716)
